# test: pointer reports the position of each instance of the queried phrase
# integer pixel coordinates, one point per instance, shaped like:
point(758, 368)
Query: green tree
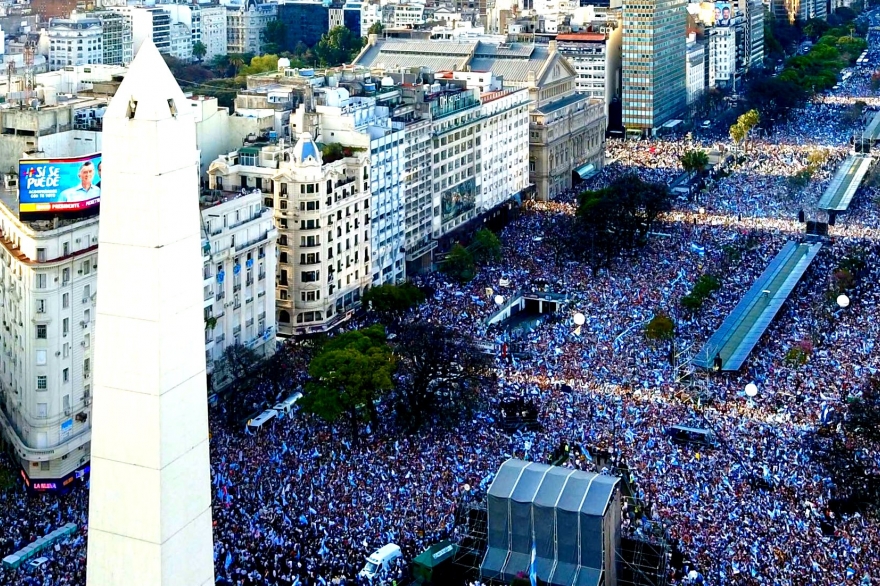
point(338, 46)
point(694, 161)
point(260, 64)
point(237, 62)
point(703, 288)
point(393, 300)
point(740, 130)
point(376, 28)
point(459, 264)
point(240, 362)
point(199, 51)
point(276, 37)
point(485, 247)
point(661, 327)
point(348, 374)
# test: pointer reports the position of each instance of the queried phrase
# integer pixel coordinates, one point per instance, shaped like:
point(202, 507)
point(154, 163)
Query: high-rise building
point(696, 70)
point(239, 257)
point(75, 41)
point(246, 26)
point(654, 52)
point(180, 42)
point(206, 23)
point(722, 56)
point(116, 37)
point(148, 23)
point(596, 56)
point(306, 21)
point(799, 10)
point(48, 277)
point(150, 495)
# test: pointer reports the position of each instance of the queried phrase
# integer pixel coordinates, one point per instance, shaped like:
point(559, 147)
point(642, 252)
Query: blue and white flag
point(533, 571)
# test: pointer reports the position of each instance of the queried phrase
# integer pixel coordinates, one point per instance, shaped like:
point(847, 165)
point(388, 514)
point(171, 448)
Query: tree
point(237, 62)
point(694, 161)
point(459, 264)
point(393, 300)
point(661, 327)
point(618, 217)
point(376, 28)
point(348, 374)
point(704, 286)
point(485, 247)
point(275, 36)
point(199, 51)
point(240, 362)
point(338, 46)
point(739, 132)
point(774, 98)
point(440, 373)
point(260, 64)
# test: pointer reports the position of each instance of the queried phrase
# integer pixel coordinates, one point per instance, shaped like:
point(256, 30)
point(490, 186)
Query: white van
point(380, 560)
point(258, 421)
point(287, 404)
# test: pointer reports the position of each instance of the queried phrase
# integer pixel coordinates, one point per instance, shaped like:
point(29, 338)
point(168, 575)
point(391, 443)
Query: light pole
point(842, 301)
point(751, 393)
point(579, 320)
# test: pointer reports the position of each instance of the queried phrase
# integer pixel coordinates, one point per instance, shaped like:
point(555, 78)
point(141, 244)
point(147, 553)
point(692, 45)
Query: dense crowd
point(297, 504)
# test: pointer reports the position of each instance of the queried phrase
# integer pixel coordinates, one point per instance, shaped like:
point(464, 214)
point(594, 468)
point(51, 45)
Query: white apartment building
point(239, 250)
point(371, 13)
point(504, 152)
point(47, 292)
point(327, 224)
point(75, 41)
point(722, 55)
point(148, 22)
point(206, 23)
point(403, 14)
point(362, 123)
point(180, 42)
point(322, 213)
point(696, 70)
point(246, 26)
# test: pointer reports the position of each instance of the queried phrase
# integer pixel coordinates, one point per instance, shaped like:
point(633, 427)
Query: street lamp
point(751, 393)
point(842, 301)
point(579, 320)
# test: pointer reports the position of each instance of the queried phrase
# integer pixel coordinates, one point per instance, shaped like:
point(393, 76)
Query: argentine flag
point(533, 572)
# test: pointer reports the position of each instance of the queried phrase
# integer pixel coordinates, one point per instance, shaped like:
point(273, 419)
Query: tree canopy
point(485, 246)
point(393, 300)
point(459, 264)
point(694, 161)
point(440, 373)
point(348, 374)
point(338, 46)
point(618, 217)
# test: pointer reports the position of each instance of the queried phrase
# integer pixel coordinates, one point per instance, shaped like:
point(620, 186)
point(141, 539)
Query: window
point(86, 267)
point(41, 306)
point(87, 365)
point(87, 317)
point(41, 357)
point(41, 332)
point(65, 326)
point(65, 249)
point(87, 340)
point(65, 375)
point(66, 350)
point(65, 300)
point(41, 281)
point(42, 411)
point(310, 276)
point(42, 383)
point(65, 276)
point(87, 292)
point(41, 255)
point(44, 465)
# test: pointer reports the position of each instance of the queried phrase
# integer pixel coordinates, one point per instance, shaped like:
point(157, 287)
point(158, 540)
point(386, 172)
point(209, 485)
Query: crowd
point(297, 504)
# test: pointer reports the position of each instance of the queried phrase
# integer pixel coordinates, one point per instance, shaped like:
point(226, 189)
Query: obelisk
point(150, 495)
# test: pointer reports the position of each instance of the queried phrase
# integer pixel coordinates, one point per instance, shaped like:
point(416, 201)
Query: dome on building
point(305, 150)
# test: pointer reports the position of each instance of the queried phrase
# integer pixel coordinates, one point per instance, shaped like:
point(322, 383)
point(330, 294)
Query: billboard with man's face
point(51, 186)
point(723, 13)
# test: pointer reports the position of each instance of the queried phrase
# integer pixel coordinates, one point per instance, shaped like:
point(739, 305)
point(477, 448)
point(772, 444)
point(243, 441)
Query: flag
point(533, 572)
point(228, 561)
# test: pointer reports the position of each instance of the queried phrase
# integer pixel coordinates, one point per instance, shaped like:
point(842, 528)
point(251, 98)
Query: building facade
point(148, 22)
point(323, 214)
point(48, 277)
point(654, 63)
point(239, 250)
point(696, 70)
point(722, 56)
point(116, 37)
point(75, 41)
point(596, 57)
point(246, 26)
point(180, 42)
point(503, 163)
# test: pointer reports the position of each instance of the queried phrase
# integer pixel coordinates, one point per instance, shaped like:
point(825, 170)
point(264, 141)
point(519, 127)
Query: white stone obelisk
point(150, 499)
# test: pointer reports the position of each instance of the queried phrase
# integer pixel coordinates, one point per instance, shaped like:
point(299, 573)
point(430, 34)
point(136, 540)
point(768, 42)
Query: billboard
point(723, 13)
point(59, 186)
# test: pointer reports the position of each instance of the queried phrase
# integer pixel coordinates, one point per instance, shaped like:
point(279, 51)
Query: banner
point(61, 185)
point(723, 14)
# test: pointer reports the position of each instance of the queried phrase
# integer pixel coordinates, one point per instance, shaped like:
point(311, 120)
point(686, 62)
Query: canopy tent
point(570, 518)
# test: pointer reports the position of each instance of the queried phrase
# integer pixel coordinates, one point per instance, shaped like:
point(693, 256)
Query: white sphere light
point(579, 319)
point(466, 487)
point(751, 390)
point(499, 300)
point(843, 301)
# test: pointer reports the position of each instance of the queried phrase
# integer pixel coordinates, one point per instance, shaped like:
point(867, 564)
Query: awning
point(586, 171)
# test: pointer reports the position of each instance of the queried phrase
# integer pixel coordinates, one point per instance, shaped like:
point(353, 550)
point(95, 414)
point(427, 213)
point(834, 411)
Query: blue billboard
point(50, 186)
